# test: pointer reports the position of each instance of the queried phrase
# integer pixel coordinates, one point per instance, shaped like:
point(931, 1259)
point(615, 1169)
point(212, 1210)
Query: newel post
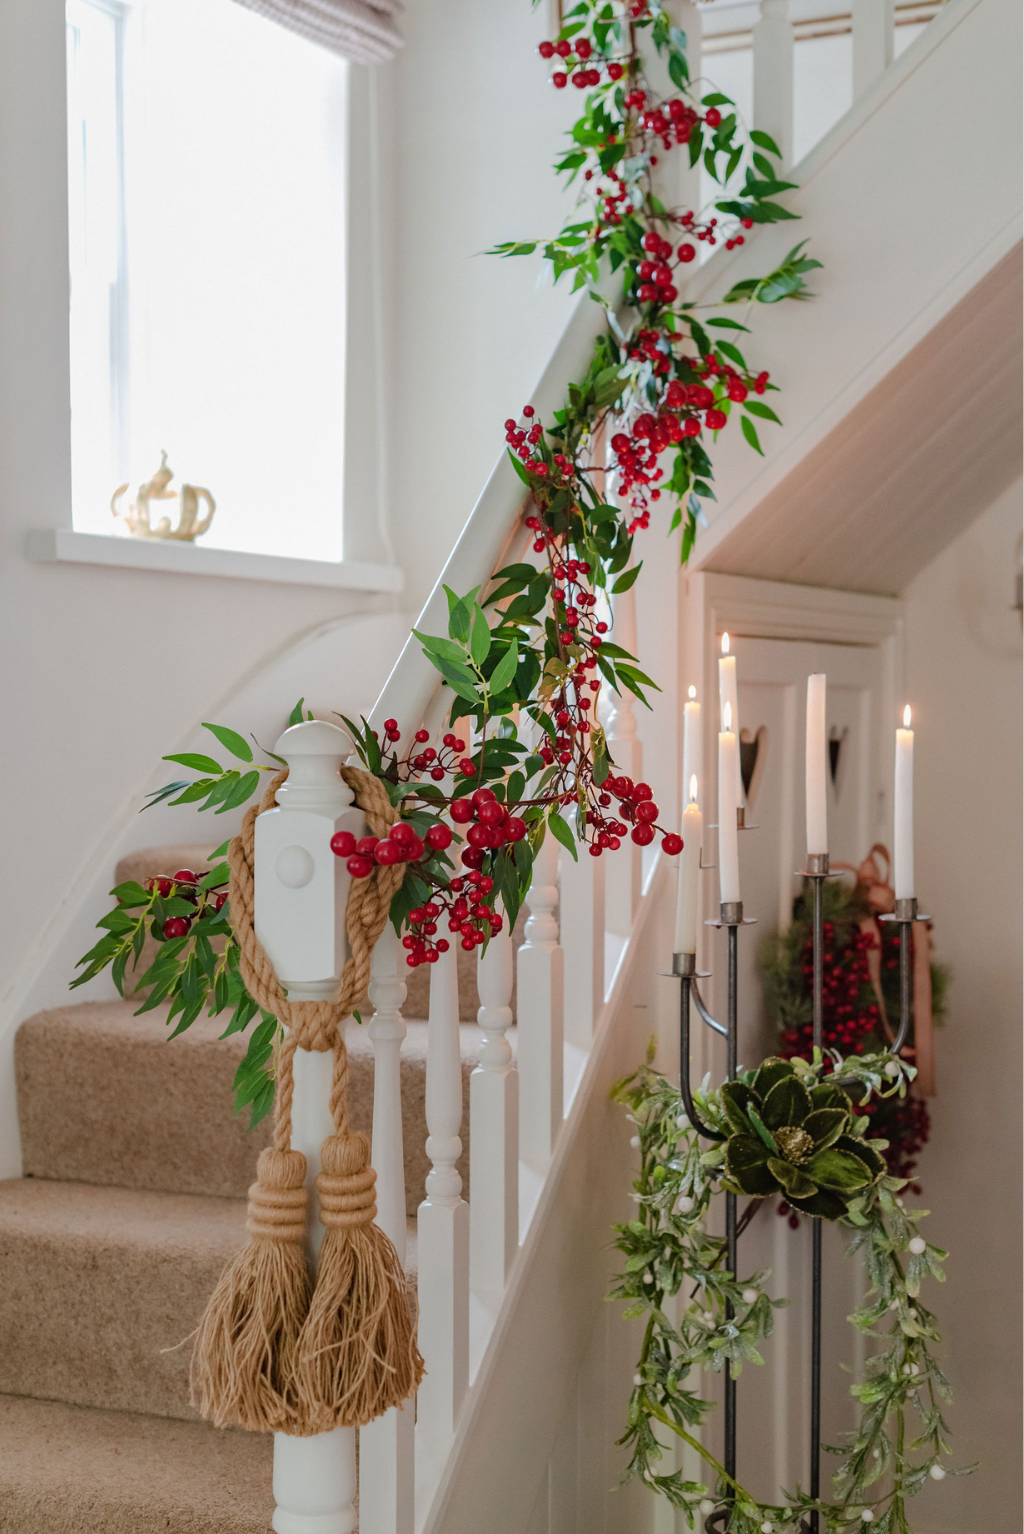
point(300, 894)
point(625, 882)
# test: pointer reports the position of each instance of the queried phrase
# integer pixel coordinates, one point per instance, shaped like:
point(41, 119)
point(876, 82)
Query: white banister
point(582, 922)
point(300, 894)
point(773, 75)
point(874, 23)
point(539, 1004)
point(443, 1226)
point(494, 1127)
point(622, 896)
point(387, 1445)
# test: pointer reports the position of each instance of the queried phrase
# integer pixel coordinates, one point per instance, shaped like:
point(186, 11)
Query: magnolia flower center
point(795, 1145)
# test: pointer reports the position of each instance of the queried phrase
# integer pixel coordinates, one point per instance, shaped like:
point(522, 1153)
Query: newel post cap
point(314, 751)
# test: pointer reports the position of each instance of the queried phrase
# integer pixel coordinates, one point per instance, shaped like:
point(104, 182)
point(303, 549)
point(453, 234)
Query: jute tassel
point(357, 1351)
point(272, 1354)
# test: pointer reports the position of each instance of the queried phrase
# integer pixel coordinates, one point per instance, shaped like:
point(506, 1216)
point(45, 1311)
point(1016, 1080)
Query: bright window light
point(207, 202)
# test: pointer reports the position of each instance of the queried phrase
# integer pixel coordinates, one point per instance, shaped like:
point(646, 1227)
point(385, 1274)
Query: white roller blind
point(363, 31)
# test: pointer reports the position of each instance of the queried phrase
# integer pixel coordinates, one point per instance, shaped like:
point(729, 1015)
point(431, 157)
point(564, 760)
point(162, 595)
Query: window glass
point(207, 174)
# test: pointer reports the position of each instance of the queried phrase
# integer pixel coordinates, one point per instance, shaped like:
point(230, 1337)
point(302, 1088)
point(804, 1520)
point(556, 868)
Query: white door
point(772, 671)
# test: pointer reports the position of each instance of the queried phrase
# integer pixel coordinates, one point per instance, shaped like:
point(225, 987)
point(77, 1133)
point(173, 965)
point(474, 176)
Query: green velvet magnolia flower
point(798, 1141)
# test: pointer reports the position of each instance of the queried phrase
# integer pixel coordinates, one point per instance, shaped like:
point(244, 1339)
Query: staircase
point(134, 1173)
point(132, 1200)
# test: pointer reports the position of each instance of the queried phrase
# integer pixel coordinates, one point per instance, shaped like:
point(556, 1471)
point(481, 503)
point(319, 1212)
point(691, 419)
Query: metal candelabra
point(684, 967)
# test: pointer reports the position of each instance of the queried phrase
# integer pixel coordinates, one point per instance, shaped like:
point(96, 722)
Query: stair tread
point(77, 1470)
point(105, 1097)
point(102, 1287)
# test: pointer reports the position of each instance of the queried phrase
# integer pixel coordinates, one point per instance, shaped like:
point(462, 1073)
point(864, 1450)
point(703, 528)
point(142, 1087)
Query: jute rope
point(274, 1353)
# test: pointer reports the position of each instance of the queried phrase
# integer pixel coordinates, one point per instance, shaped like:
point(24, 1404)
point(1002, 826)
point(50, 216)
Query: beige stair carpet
point(68, 1470)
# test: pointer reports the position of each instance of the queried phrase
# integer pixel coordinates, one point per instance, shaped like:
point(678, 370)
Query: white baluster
point(622, 894)
point(494, 1127)
point(540, 973)
point(582, 920)
point(300, 894)
point(443, 1226)
point(873, 39)
point(387, 1445)
point(773, 75)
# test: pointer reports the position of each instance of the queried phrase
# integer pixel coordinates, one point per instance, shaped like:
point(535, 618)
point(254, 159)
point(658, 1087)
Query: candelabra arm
point(705, 1014)
point(686, 986)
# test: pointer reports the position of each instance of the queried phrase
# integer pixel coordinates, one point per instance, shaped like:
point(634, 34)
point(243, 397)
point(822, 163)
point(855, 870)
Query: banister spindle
point(299, 909)
point(540, 974)
point(773, 75)
point(622, 896)
point(443, 1224)
point(874, 23)
point(387, 1445)
point(494, 1127)
point(582, 913)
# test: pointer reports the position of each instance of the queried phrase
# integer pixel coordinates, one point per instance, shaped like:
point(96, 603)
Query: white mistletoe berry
point(918, 1245)
point(937, 1473)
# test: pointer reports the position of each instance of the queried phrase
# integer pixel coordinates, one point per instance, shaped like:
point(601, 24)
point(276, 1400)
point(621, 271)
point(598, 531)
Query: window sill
point(62, 545)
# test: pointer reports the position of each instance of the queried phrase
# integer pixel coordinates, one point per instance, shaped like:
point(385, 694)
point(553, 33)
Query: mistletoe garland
point(526, 658)
point(722, 1317)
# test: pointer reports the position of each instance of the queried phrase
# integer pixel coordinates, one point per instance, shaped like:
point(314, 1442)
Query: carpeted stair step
point(105, 1097)
point(100, 1286)
point(69, 1470)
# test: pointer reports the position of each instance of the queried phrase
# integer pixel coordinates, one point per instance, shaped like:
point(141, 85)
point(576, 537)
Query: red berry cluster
point(185, 883)
point(673, 121)
point(851, 1015)
point(490, 824)
point(401, 845)
point(470, 917)
point(636, 805)
point(575, 59)
point(524, 440)
point(424, 758)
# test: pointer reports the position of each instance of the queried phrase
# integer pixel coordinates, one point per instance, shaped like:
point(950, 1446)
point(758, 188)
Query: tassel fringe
point(243, 1366)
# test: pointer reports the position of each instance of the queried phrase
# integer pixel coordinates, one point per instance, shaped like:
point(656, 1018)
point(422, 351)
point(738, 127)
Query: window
point(207, 157)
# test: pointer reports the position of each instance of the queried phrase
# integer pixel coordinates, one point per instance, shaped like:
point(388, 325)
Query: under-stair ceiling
point(920, 456)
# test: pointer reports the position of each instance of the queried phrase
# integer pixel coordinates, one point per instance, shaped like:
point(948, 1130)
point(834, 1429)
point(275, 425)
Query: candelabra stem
point(901, 1036)
point(817, 881)
point(730, 1202)
point(687, 985)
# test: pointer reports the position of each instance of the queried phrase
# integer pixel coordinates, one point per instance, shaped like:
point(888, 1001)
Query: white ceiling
point(923, 454)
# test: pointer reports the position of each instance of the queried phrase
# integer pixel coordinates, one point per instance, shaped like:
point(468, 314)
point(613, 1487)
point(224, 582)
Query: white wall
point(470, 127)
point(964, 681)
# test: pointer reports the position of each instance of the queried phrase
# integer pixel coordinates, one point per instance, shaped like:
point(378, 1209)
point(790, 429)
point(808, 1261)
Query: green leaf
point(749, 432)
point(746, 1163)
point(736, 1096)
point(218, 875)
point(196, 761)
point(839, 1169)
point(626, 579)
point(243, 790)
point(517, 465)
point(791, 1177)
point(295, 717)
point(786, 1105)
point(562, 833)
point(480, 636)
point(505, 670)
point(231, 741)
point(765, 141)
point(825, 1125)
point(764, 411)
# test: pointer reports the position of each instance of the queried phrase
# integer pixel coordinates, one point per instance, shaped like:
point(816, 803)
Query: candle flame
point(906, 717)
point(727, 717)
point(725, 644)
point(693, 789)
point(693, 691)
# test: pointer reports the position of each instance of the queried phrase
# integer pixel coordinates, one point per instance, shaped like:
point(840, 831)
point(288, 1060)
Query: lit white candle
point(689, 874)
point(903, 811)
point(691, 744)
point(728, 836)
point(817, 808)
point(727, 696)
